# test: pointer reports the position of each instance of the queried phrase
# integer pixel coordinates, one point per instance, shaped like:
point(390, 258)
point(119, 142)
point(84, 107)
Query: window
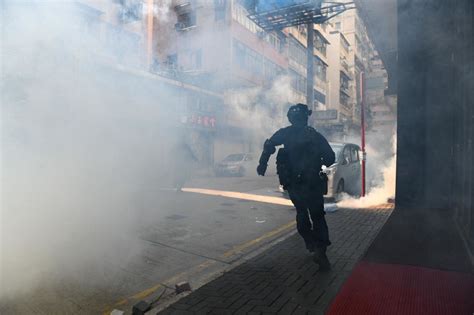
point(358, 44)
point(130, 12)
point(187, 19)
point(344, 99)
point(255, 63)
point(320, 97)
point(248, 59)
point(186, 16)
point(302, 29)
point(344, 44)
point(298, 82)
point(344, 64)
point(275, 41)
point(344, 81)
point(346, 155)
point(240, 15)
point(320, 44)
point(354, 154)
point(297, 52)
point(219, 10)
point(337, 25)
point(271, 70)
point(320, 69)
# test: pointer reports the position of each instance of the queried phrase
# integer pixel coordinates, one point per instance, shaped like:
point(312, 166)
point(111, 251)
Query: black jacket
point(306, 148)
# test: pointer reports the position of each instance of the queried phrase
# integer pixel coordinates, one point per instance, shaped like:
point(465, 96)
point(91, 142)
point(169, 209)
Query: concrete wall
point(435, 109)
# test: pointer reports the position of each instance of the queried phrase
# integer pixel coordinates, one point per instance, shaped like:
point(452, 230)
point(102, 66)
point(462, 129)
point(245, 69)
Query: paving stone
point(284, 279)
point(288, 308)
point(244, 309)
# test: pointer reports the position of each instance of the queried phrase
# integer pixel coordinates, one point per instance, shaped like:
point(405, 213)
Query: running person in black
point(299, 166)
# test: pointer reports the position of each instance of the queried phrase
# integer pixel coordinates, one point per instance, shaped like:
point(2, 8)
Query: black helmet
point(298, 114)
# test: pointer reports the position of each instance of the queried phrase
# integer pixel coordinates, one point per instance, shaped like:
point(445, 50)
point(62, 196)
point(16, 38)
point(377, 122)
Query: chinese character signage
point(198, 120)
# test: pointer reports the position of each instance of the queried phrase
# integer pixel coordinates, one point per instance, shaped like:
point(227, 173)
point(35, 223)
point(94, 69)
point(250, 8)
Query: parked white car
point(345, 174)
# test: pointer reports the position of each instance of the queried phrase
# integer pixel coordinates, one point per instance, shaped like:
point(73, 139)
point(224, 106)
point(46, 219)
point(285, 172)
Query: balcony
point(186, 17)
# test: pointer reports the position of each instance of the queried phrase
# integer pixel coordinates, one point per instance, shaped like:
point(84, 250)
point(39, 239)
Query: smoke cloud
point(80, 144)
point(381, 174)
point(84, 137)
point(262, 108)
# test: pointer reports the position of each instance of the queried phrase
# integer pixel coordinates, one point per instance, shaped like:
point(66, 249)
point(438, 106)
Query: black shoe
point(322, 260)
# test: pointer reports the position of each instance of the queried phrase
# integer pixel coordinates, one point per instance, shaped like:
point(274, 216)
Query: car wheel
point(340, 187)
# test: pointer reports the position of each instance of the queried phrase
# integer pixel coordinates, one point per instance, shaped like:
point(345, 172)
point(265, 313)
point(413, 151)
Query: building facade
point(337, 117)
point(381, 116)
point(260, 73)
point(215, 47)
point(359, 60)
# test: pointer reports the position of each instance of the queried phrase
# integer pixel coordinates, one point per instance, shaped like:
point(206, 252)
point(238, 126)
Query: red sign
point(199, 121)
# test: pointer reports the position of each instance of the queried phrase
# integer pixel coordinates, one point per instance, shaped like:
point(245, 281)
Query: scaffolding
point(308, 13)
point(304, 13)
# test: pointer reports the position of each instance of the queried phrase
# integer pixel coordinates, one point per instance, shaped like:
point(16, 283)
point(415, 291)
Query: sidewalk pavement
point(284, 279)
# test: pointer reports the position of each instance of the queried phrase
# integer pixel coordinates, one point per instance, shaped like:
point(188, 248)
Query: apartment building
point(215, 46)
point(363, 58)
point(297, 64)
point(218, 47)
point(336, 120)
point(359, 58)
point(122, 29)
point(118, 27)
point(381, 115)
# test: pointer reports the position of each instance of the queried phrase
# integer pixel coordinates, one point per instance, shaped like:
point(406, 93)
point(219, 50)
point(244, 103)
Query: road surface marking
point(235, 250)
point(239, 195)
point(141, 295)
point(240, 248)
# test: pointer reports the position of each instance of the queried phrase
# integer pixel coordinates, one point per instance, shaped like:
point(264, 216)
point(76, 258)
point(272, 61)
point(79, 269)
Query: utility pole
point(308, 13)
point(309, 66)
point(362, 127)
point(149, 34)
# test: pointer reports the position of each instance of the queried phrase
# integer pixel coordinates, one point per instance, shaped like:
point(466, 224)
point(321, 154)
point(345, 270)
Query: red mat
point(397, 289)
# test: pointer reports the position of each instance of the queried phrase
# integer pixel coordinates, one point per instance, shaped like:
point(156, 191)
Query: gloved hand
point(261, 169)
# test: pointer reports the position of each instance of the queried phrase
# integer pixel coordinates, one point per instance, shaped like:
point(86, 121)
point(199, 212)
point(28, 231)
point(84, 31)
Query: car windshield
point(337, 148)
point(234, 158)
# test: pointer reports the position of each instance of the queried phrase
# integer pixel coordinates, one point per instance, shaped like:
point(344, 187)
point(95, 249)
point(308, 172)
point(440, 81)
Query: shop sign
point(197, 120)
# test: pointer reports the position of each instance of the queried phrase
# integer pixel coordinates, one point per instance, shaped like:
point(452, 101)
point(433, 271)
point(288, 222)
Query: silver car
point(345, 174)
point(238, 164)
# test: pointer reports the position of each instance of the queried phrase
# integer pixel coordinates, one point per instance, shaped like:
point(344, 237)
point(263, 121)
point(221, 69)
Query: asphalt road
point(182, 236)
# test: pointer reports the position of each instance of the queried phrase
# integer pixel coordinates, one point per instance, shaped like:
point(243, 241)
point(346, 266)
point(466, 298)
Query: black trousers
point(310, 220)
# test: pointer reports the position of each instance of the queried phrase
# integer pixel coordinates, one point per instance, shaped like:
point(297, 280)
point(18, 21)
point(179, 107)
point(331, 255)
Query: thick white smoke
point(80, 143)
point(262, 109)
point(380, 187)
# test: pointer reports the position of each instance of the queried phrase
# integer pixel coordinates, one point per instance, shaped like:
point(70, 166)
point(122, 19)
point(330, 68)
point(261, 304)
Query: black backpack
point(283, 168)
